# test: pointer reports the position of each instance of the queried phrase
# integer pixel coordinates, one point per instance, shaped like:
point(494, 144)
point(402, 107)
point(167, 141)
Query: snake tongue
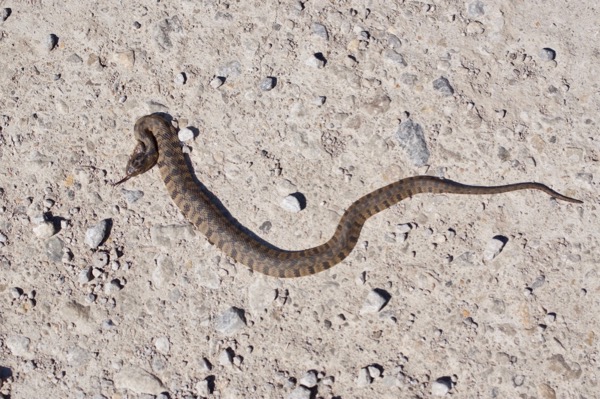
point(123, 180)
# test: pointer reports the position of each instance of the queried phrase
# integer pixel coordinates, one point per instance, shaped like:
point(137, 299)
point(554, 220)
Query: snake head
point(141, 160)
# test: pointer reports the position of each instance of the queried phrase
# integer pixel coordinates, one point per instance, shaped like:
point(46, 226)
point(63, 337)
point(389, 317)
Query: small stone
point(494, 247)
point(48, 203)
point(124, 59)
point(309, 379)
point(374, 371)
point(226, 357)
point(185, 134)
point(136, 25)
point(475, 28)
point(363, 378)
point(394, 57)
point(547, 54)
point(319, 100)
point(442, 85)
point(180, 79)
point(138, 381)
point(475, 9)
point(441, 386)
point(132, 196)
point(316, 61)
point(162, 345)
point(4, 14)
point(45, 229)
point(231, 321)
point(115, 265)
point(15, 292)
point(300, 393)
point(85, 276)
point(96, 234)
point(113, 287)
point(205, 365)
point(320, 30)
point(18, 345)
point(100, 259)
point(54, 249)
point(203, 388)
point(375, 301)
point(51, 42)
point(97, 272)
point(291, 204)
point(169, 235)
point(393, 41)
point(217, 82)
point(412, 139)
point(3, 238)
point(267, 83)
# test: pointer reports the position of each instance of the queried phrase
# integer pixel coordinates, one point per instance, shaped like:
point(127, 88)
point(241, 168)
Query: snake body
point(158, 144)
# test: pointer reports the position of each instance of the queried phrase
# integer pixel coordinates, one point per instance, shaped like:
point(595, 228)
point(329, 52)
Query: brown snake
point(157, 143)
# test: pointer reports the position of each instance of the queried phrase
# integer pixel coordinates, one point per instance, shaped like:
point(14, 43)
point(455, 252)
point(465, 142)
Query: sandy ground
point(484, 297)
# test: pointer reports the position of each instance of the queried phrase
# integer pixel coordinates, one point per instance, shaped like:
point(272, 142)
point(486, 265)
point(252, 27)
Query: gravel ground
point(107, 292)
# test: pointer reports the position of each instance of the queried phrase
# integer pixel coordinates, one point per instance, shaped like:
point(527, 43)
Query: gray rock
point(475, 9)
point(547, 54)
point(320, 30)
point(300, 393)
point(113, 287)
point(291, 204)
point(494, 247)
point(226, 357)
point(394, 57)
point(162, 345)
point(375, 301)
point(132, 196)
point(316, 61)
point(4, 14)
point(363, 378)
point(180, 79)
point(51, 42)
point(231, 321)
point(443, 86)
point(203, 388)
point(18, 345)
point(85, 276)
point(412, 140)
point(185, 134)
point(441, 386)
point(54, 249)
point(267, 83)
point(100, 259)
point(96, 234)
point(138, 380)
point(217, 82)
point(170, 235)
point(309, 379)
point(45, 229)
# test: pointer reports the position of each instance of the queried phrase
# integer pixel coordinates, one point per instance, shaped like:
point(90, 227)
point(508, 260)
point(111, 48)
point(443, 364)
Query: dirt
point(491, 296)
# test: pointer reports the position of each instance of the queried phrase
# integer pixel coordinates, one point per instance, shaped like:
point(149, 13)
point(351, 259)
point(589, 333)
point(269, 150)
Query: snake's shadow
point(215, 200)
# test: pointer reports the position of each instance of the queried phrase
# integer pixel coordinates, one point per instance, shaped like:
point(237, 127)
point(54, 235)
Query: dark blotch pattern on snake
point(157, 143)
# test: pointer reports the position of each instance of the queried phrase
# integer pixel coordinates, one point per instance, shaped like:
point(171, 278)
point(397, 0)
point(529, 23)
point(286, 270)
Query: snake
point(158, 144)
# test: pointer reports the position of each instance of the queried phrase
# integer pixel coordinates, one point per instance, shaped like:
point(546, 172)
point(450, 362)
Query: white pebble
point(291, 204)
point(230, 321)
point(15, 292)
point(374, 372)
point(316, 61)
point(162, 345)
point(547, 54)
point(185, 134)
point(226, 357)
point(180, 79)
point(267, 83)
point(309, 379)
point(96, 234)
point(203, 388)
point(112, 287)
point(217, 82)
point(441, 386)
point(300, 393)
point(375, 301)
point(85, 276)
point(4, 14)
point(3, 238)
point(363, 378)
point(494, 247)
point(18, 345)
point(51, 42)
point(45, 229)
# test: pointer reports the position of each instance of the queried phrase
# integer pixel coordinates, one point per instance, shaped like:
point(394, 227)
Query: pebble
point(45, 229)
point(374, 371)
point(100, 259)
point(309, 379)
point(375, 301)
point(113, 287)
point(320, 30)
point(51, 42)
point(442, 85)
point(518, 380)
point(441, 386)
point(316, 61)
point(394, 57)
point(412, 139)
point(132, 196)
point(15, 292)
point(3, 238)
point(203, 388)
point(393, 41)
point(180, 79)
point(54, 249)
point(205, 365)
point(300, 393)
point(226, 357)
point(547, 54)
point(85, 276)
point(162, 345)
point(138, 381)
point(185, 134)
point(217, 82)
point(4, 14)
point(363, 378)
point(231, 321)
point(171, 234)
point(291, 204)
point(97, 233)
point(267, 83)
point(475, 9)
point(319, 100)
point(125, 59)
point(494, 247)
point(18, 345)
